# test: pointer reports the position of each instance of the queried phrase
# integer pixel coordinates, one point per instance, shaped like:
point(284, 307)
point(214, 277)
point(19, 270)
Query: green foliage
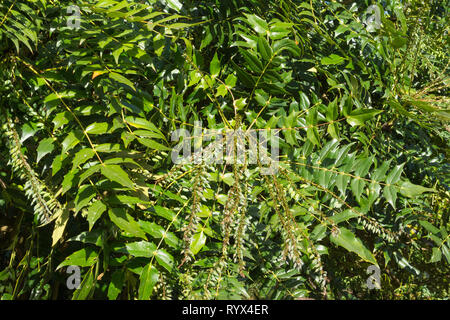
point(87, 179)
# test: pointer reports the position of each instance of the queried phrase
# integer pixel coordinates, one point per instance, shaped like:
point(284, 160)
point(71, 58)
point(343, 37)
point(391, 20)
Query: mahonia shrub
point(351, 99)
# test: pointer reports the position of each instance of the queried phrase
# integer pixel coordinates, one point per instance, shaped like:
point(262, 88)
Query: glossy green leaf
point(85, 257)
point(94, 212)
point(86, 287)
point(116, 284)
point(198, 241)
point(72, 139)
point(126, 222)
point(148, 279)
point(436, 255)
point(117, 174)
point(141, 249)
point(258, 24)
point(264, 49)
point(97, 128)
point(345, 238)
point(82, 156)
point(60, 225)
point(411, 190)
point(288, 45)
point(360, 116)
point(153, 144)
point(332, 59)
point(45, 147)
point(84, 195)
point(215, 66)
point(121, 79)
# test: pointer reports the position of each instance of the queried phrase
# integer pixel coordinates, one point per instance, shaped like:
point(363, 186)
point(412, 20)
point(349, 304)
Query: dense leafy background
point(86, 176)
